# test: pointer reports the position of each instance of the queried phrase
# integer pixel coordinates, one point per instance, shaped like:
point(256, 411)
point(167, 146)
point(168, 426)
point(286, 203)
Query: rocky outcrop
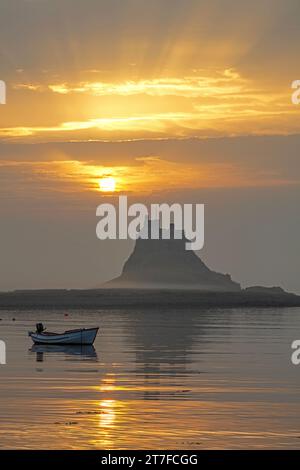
point(265, 290)
point(165, 263)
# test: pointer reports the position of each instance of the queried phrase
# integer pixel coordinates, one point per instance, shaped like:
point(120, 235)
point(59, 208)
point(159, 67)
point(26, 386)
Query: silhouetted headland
point(167, 264)
point(158, 274)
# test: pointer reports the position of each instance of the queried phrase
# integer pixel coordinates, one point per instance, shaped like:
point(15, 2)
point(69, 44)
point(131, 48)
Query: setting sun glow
point(107, 184)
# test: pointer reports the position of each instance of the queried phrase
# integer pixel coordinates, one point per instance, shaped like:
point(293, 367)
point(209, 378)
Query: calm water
point(156, 380)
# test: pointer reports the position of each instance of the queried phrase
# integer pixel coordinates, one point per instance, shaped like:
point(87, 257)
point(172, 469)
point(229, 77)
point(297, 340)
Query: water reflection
point(164, 348)
point(169, 379)
point(81, 351)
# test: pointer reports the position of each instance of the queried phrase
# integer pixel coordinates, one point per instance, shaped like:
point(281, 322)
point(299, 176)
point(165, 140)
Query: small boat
point(81, 336)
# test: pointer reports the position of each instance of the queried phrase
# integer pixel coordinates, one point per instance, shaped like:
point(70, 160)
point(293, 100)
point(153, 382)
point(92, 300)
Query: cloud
point(141, 168)
point(224, 82)
point(207, 103)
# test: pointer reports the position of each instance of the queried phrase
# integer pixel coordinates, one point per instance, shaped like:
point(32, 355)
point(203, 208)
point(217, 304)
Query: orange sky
point(126, 71)
point(200, 103)
point(171, 70)
point(177, 101)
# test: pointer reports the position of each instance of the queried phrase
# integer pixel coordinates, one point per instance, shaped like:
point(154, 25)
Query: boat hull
point(84, 336)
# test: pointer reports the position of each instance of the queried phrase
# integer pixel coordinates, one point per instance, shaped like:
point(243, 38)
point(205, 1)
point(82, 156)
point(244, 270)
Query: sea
point(154, 379)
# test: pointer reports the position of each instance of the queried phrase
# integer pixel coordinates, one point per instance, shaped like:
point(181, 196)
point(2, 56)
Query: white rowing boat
point(81, 336)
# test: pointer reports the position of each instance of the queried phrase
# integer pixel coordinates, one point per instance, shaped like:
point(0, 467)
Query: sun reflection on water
point(107, 413)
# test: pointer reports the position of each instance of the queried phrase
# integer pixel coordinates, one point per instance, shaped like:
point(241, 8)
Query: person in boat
point(40, 328)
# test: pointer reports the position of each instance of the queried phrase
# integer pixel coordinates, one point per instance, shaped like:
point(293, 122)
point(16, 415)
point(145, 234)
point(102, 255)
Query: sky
point(177, 101)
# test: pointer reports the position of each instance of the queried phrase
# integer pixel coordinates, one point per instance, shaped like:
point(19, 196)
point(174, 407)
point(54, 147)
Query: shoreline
point(142, 298)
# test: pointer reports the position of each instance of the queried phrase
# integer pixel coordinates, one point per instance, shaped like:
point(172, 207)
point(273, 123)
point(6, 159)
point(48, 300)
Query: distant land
point(167, 264)
point(144, 298)
point(158, 274)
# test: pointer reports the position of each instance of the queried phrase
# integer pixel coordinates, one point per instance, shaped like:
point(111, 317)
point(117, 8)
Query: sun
point(107, 184)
